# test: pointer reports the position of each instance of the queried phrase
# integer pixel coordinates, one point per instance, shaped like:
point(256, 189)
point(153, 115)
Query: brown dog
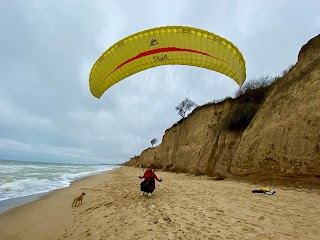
point(78, 199)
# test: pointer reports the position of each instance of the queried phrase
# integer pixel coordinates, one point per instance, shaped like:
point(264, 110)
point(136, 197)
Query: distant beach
point(183, 206)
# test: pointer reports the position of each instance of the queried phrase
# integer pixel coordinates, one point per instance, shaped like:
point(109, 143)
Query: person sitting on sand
point(148, 185)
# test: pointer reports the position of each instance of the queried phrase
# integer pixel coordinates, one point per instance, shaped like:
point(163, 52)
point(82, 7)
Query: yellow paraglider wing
point(162, 46)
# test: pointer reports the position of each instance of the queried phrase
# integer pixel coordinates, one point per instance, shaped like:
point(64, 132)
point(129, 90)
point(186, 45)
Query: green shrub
point(254, 91)
point(240, 116)
point(247, 102)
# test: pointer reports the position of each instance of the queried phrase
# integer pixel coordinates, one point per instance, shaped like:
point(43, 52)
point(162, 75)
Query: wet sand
point(182, 207)
point(5, 205)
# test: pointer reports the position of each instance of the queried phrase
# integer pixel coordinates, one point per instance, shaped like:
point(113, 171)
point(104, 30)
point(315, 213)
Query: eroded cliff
point(283, 137)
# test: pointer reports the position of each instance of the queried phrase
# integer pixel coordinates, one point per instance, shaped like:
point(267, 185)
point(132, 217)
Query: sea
point(22, 182)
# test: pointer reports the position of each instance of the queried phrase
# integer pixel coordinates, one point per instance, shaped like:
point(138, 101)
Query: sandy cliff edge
point(283, 139)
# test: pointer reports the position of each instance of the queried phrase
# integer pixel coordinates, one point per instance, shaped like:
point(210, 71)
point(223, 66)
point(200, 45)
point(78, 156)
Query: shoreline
point(6, 205)
point(182, 207)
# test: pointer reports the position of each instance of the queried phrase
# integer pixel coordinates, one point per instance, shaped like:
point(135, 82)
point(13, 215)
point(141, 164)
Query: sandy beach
point(182, 207)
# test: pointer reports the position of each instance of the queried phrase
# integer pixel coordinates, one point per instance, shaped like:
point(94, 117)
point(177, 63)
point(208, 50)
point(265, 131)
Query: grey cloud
point(47, 49)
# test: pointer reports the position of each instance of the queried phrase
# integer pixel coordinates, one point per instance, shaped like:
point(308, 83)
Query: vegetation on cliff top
point(248, 101)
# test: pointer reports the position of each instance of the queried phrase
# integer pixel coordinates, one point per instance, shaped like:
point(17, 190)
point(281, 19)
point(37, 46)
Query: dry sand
point(182, 207)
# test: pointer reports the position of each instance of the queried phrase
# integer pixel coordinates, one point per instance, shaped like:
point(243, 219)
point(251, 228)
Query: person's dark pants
point(147, 186)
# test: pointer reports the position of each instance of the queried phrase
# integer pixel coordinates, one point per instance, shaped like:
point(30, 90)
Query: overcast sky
point(47, 49)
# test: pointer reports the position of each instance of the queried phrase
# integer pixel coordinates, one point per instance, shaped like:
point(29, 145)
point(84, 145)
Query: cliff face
point(196, 144)
point(283, 137)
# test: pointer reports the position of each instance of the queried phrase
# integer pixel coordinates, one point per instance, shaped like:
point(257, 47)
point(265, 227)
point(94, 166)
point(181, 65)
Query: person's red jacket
point(149, 174)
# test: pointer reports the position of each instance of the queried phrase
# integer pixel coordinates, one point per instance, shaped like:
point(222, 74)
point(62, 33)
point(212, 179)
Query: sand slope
point(182, 207)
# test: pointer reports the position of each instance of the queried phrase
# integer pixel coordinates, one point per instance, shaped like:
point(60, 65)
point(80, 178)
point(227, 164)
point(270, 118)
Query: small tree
point(185, 106)
point(154, 141)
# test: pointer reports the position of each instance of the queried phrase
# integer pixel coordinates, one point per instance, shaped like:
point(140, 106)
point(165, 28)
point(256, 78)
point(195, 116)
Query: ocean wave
point(30, 186)
point(41, 179)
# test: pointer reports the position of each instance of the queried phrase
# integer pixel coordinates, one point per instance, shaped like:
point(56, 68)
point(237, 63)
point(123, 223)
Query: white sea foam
point(25, 187)
point(18, 179)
